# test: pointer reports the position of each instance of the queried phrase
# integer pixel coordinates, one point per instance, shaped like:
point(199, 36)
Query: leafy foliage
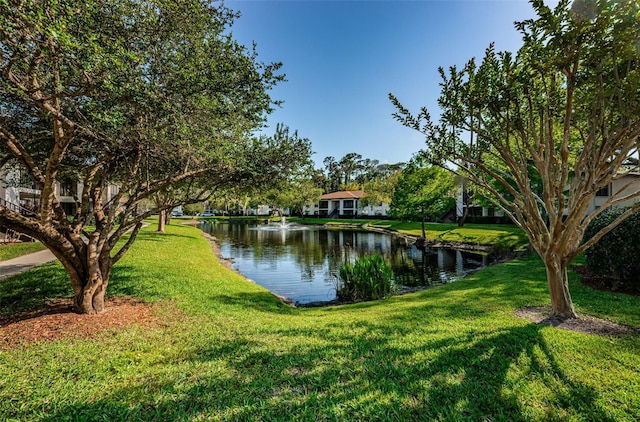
point(294, 187)
point(548, 126)
point(368, 278)
point(423, 192)
point(615, 255)
point(352, 172)
point(155, 97)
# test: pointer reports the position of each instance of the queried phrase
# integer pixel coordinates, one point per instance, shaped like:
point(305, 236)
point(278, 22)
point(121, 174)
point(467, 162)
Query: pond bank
point(433, 243)
point(228, 263)
point(305, 272)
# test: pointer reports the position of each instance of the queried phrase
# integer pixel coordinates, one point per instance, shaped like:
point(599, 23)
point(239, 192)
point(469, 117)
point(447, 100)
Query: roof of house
point(629, 173)
point(347, 194)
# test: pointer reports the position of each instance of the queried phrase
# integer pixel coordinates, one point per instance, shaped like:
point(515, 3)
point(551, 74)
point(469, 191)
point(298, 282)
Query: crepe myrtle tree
point(154, 97)
point(553, 124)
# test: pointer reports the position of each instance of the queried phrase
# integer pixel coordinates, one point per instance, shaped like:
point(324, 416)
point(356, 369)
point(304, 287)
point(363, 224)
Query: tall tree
point(333, 176)
point(352, 172)
point(564, 110)
point(350, 167)
point(152, 96)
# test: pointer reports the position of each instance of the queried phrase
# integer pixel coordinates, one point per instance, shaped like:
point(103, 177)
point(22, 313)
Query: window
point(604, 191)
point(24, 180)
point(67, 188)
point(348, 203)
point(324, 204)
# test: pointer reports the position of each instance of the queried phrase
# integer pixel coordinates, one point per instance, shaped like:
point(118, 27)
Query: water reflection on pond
point(301, 263)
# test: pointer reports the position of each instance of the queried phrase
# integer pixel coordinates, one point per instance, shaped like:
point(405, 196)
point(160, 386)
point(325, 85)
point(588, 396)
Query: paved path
point(25, 262)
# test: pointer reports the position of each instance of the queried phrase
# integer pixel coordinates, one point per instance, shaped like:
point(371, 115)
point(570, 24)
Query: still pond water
point(302, 262)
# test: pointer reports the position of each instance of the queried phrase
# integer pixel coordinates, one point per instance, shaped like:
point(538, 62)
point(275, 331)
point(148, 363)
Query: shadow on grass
point(32, 289)
point(125, 281)
point(395, 368)
point(357, 377)
point(39, 291)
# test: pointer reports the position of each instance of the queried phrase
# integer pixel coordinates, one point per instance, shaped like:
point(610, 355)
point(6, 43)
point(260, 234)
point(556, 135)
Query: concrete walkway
point(25, 262)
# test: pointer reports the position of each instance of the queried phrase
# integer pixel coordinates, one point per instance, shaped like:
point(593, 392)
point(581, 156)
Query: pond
point(302, 262)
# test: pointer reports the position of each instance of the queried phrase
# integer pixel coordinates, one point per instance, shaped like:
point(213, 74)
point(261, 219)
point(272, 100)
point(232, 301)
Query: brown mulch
point(57, 321)
point(584, 324)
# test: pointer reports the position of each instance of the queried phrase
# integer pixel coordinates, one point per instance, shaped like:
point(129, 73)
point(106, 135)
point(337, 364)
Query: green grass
point(14, 250)
point(503, 237)
point(234, 352)
point(223, 219)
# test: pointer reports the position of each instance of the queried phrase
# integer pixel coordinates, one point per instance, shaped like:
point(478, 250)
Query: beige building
point(625, 184)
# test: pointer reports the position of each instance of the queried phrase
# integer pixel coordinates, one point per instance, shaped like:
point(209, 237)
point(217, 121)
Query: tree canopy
point(353, 172)
point(154, 97)
point(553, 124)
point(423, 192)
point(293, 188)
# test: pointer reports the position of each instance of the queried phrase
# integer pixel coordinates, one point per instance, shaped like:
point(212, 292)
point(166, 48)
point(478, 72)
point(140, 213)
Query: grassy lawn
point(228, 350)
point(504, 237)
point(14, 250)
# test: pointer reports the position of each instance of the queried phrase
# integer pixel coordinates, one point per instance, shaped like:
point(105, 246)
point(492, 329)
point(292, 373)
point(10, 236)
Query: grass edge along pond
point(226, 349)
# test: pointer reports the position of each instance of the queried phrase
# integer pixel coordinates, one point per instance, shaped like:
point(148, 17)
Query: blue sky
point(343, 58)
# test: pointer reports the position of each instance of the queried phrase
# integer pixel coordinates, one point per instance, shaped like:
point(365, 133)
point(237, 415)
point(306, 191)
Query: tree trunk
point(465, 213)
point(161, 221)
point(90, 300)
point(558, 281)
point(89, 294)
point(89, 268)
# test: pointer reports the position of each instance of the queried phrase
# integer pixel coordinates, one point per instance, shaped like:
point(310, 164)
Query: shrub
point(615, 256)
point(369, 278)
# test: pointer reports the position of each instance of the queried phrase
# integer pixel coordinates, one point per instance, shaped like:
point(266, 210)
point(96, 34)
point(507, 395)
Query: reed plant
point(368, 278)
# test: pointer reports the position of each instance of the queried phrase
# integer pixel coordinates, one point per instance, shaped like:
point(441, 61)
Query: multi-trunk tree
point(553, 124)
point(153, 97)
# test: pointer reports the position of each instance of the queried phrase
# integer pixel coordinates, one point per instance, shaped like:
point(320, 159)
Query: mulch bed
point(57, 321)
point(584, 324)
